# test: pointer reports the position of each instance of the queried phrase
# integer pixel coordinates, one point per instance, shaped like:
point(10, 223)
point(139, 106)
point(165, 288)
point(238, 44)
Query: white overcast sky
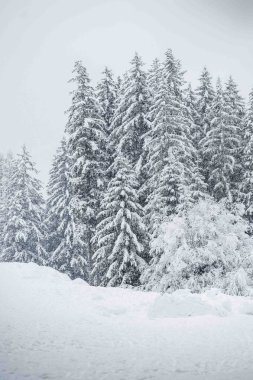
point(41, 39)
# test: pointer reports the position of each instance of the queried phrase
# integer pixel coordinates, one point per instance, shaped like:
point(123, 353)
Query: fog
point(40, 40)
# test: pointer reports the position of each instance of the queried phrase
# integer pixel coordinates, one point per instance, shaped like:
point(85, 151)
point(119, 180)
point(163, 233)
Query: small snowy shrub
point(205, 247)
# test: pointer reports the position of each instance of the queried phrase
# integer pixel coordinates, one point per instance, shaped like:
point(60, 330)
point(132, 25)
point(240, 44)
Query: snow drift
point(182, 303)
point(55, 328)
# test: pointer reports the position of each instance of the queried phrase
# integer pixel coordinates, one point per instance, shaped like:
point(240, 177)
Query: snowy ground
point(55, 328)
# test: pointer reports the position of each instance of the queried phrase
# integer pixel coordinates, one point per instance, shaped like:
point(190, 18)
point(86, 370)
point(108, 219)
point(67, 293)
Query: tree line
point(137, 151)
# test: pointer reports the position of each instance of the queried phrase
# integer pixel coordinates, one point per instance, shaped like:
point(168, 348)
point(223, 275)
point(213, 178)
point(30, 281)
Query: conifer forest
point(126, 190)
point(151, 187)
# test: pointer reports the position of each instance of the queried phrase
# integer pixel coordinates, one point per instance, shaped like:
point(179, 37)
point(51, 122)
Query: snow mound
point(183, 303)
point(32, 271)
point(57, 329)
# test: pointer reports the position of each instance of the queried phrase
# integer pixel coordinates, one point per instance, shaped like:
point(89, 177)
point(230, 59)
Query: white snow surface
point(55, 328)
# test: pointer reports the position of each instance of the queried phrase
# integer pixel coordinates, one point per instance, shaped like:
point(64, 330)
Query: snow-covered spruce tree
point(130, 122)
point(2, 201)
point(165, 197)
point(107, 93)
point(55, 189)
point(153, 80)
point(170, 153)
point(24, 232)
point(173, 195)
point(118, 86)
point(246, 189)
point(62, 243)
point(86, 148)
point(220, 147)
point(8, 167)
point(235, 110)
point(196, 188)
point(120, 237)
point(192, 192)
point(206, 247)
point(193, 117)
point(205, 95)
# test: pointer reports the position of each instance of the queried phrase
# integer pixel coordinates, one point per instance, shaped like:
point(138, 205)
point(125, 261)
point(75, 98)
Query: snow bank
point(182, 303)
point(57, 329)
point(34, 272)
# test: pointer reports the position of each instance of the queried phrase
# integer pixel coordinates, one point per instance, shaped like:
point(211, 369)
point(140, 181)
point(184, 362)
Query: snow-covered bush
point(206, 247)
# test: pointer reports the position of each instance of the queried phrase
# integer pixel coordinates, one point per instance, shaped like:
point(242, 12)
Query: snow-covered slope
point(55, 328)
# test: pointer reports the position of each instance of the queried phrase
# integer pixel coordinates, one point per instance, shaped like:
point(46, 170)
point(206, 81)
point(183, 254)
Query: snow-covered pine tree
point(120, 237)
point(220, 146)
point(118, 87)
point(8, 167)
point(171, 152)
point(246, 189)
point(107, 93)
point(193, 117)
point(130, 122)
point(165, 196)
point(196, 188)
point(55, 190)
point(205, 95)
point(86, 148)
point(24, 232)
point(235, 110)
point(63, 238)
point(193, 192)
point(153, 80)
point(2, 202)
